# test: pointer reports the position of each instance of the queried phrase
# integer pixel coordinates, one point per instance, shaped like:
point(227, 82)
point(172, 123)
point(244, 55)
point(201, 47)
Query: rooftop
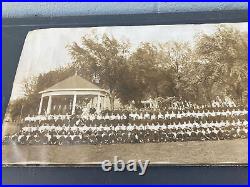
point(74, 82)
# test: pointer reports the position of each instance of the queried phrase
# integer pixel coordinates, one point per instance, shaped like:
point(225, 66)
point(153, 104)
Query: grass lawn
point(208, 152)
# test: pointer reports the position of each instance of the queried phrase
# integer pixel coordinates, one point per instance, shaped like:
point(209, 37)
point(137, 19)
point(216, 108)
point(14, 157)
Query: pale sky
point(44, 50)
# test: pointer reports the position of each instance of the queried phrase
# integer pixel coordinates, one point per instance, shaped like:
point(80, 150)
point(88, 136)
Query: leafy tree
point(177, 58)
point(225, 53)
point(101, 57)
point(29, 104)
point(130, 88)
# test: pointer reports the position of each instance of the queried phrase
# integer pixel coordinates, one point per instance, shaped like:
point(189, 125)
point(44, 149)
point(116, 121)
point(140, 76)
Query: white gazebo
point(75, 86)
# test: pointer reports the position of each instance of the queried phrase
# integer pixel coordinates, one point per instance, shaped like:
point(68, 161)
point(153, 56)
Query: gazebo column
point(40, 106)
point(49, 105)
point(92, 103)
point(98, 110)
point(74, 105)
point(104, 103)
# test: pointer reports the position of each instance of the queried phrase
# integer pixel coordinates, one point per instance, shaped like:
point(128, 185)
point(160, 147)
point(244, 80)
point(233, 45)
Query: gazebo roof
point(74, 82)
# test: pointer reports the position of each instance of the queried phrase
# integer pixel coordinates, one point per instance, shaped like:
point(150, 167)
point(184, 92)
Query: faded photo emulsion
point(163, 94)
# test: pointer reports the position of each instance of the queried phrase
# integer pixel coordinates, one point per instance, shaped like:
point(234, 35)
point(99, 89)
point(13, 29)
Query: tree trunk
point(156, 91)
point(209, 98)
point(112, 100)
point(239, 93)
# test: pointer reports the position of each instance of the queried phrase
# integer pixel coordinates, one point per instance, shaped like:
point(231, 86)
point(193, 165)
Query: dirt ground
point(207, 152)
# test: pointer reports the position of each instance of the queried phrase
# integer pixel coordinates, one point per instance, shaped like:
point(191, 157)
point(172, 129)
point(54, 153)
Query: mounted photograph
point(156, 94)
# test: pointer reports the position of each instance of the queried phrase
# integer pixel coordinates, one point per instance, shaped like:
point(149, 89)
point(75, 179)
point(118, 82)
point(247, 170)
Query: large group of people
point(200, 123)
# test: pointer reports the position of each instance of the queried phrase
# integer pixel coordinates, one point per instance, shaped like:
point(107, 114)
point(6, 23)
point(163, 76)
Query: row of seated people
point(132, 126)
point(77, 121)
point(150, 133)
point(136, 116)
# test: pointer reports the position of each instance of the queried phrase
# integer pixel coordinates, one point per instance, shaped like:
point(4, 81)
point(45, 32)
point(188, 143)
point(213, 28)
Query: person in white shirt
point(141, 127)
point(160, 116)
point(146, 116)
point(130, 127)
point(123, 127)
point(238, 122)
point(153, 117)
point(140, 117)
point(132, 116)
point(117, 128)
point(245, 111)
point(228, 113)
point(123, 116)
point(163, 126)
point(213, 113)
point(106, 117)
point(179, 115)
point(147, 127)
point(157, 126)
point(99, 117)
point(245, 122)
point(173, 115)
point(118, 117)
point(112, 117)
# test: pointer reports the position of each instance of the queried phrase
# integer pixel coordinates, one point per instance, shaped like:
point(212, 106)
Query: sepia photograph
point(156, 94)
